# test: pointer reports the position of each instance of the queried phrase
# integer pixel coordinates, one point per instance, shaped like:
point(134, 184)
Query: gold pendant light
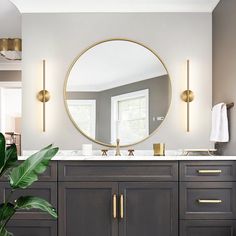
point(10, 48)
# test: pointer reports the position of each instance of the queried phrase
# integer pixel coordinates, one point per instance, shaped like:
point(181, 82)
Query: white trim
point(92, 102)
point(11, 66)
point(11, 84)
point(2, 110)
point(72, 6)
point(114, 110)
point(4, 86)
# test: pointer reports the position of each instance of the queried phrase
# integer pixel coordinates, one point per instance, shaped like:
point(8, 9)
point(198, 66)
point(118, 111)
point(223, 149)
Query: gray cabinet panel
point(150, 209)
point(49, 175)
point(192, 208)
point(208, 228)
point(33, 227)
point(118, 171)
point(45, 190)
point(85, 209)
point(207, 171)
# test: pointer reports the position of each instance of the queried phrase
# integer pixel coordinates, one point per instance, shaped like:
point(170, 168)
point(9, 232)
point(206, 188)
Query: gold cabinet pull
point(121, 206)
point(209, 171)
point(114, 206)
point(209, 201)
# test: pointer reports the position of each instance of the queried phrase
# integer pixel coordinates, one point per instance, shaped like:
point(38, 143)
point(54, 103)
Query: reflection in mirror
point(117, 89)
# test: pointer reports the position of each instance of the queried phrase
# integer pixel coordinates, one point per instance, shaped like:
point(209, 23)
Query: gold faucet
point(118, 147)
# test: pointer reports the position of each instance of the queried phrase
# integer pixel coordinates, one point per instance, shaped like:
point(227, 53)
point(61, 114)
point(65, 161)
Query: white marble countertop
point(140, 155)
point(139, 158)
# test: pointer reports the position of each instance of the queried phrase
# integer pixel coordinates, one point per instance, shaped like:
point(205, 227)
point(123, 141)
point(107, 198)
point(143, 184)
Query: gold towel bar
point(230, 105)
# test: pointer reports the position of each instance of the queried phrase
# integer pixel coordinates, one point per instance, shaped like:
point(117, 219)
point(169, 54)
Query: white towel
point(220, 128)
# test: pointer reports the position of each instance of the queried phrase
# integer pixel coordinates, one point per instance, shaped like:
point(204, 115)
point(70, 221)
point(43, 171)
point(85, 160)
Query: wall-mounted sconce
point(188, 96)
point(44, 96)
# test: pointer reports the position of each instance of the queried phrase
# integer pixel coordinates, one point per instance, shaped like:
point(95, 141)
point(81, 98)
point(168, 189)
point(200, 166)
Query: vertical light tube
point(188, 97)
point(44, 96)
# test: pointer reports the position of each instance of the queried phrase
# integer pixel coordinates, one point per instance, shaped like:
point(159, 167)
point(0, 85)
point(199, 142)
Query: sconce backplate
point(187, 96)
point(43, 96)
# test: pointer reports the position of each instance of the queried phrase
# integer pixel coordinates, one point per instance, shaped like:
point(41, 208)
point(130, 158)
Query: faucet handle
point(131, 152)
point(104, 152)
point(117, 142)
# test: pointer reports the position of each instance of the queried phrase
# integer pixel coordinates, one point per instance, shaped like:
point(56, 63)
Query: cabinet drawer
point(49, 175)
point(208, 200)
point(208, 227)
point(33, 227)
point(117, 171)
point(208, 171)
point(45, 190)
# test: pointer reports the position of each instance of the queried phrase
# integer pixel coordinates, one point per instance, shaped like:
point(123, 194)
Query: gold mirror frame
point(66, 81)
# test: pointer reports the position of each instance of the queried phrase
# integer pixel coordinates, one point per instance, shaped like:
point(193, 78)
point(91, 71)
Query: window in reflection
point(130, 119)
point(84, 115)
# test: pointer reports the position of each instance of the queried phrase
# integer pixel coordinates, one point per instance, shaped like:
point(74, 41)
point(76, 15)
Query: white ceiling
point(32, 6)
point(10, 27)
point(112, 64)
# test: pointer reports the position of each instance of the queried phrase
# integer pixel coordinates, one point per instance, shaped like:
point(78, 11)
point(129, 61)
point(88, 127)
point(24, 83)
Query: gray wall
point(159, 101)
point(224, 64)
point(7, 76)
point(175, 37)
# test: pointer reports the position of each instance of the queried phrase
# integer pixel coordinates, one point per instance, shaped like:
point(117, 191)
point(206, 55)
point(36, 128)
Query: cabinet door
point(208, 228)
point(86, 209)
point(150, 209)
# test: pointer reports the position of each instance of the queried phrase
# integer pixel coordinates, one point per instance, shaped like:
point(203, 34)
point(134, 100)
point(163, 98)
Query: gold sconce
point(188, 96)
point(44, 96)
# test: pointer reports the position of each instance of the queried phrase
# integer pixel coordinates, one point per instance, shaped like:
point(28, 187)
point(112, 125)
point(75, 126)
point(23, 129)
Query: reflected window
point(84, 115)
point(130, 119)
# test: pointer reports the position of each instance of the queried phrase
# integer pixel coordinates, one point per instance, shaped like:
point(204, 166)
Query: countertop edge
point(140, 158)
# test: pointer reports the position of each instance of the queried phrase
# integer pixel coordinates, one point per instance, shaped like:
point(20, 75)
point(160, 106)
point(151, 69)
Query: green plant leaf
point(10, 158)
point(6, 211)
point(4, 232)
point(29, 202)
point(2, 150)
point(27, 173)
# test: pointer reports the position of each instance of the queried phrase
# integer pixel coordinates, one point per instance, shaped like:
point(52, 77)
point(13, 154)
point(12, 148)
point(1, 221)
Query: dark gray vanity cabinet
point(33, 222)
point(208, 228)
point(207, 198)
point(149, 209)
point(122, 202)
point(33, 227)
point(86, 209)
point(132, 198)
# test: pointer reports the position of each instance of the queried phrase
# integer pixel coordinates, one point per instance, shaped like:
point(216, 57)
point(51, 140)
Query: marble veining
point(140, 158)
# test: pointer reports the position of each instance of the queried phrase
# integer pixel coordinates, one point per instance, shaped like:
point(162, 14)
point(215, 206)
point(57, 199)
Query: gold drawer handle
point(209, 201)
point(114, 206)
point(121, 206)
point(209, 171)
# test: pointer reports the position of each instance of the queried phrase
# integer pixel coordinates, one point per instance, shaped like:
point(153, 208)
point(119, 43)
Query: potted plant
point(21, 176)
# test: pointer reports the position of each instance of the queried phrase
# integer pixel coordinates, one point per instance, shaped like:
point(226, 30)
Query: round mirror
point(117, 89)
